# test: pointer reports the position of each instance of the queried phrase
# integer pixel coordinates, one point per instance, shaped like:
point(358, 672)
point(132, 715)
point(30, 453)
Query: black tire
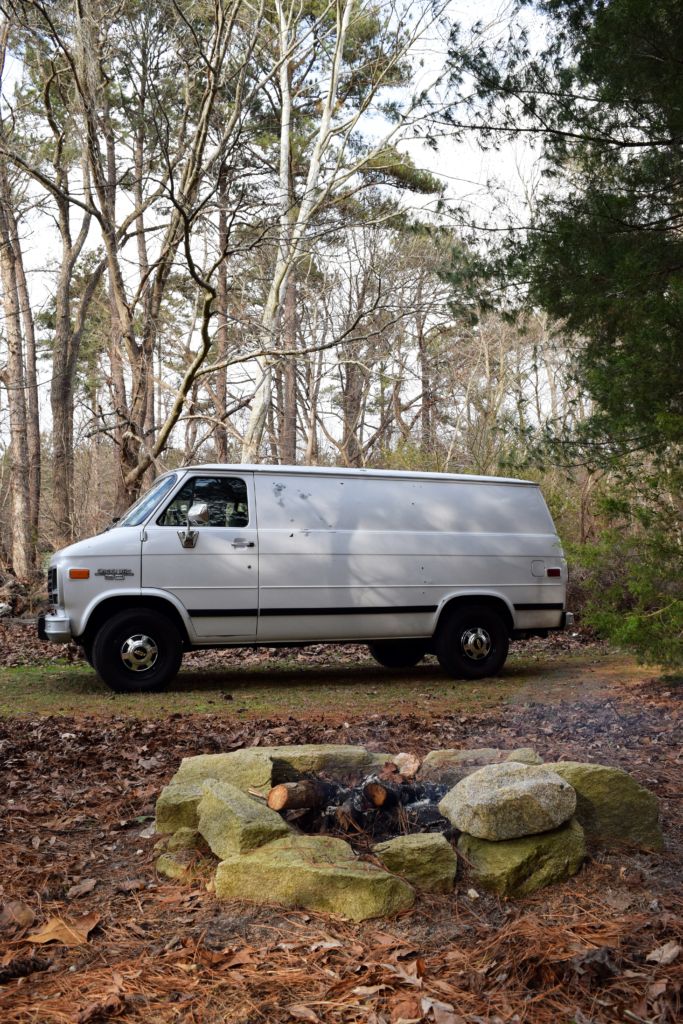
point(137, 651)
point(398, 653)
point(472, 642)
point(87, 653)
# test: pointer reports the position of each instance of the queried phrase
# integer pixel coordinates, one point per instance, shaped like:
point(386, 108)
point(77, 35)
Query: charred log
point(306, 793)
point(383, 793)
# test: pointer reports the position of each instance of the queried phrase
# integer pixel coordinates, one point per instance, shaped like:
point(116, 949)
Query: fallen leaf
point(303, 1013)
point(443, 1013)
point(619, 900)
point(15, 915)
point(596, 963)
point(243, 956)
point(411, 974)
point(110, 1006)
point(368, 990)
point(382, 939)
point(134, 885)
point(658, 988)
point(664, 955)
point(327, 944)
point(87, 885)
point(406, 1009)
point(73, 933)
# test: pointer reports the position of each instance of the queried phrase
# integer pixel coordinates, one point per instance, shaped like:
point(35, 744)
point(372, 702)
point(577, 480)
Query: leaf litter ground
point(130, 946)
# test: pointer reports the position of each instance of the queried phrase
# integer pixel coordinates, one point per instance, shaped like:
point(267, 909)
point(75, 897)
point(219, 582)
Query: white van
point(218, 556)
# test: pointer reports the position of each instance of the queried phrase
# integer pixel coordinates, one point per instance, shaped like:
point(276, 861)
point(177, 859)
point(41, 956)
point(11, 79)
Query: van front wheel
point(137, 651)
point(398, 653)
point(472, 642)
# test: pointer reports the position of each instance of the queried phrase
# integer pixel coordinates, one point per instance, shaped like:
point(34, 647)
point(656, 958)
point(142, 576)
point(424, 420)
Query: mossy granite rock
point(425, 859)
point(611, 806)
point(505, 801)
point(316, 873)
point(453, 765)
point(518, 867)
point(232, 822)
point(257, 768)
point(185, 839)
point(177, 806)
point(176, 865)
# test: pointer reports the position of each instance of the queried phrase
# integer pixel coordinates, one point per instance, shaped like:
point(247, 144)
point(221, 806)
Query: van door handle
point(243, 544)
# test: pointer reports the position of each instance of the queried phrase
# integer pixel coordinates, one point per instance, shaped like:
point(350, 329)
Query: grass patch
point(286, 687)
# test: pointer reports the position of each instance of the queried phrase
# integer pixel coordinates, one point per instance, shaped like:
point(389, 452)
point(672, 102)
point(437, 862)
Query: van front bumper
point(55, 626)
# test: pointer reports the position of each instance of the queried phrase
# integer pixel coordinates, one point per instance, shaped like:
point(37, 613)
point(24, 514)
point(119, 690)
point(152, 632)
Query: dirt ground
point(80, 774)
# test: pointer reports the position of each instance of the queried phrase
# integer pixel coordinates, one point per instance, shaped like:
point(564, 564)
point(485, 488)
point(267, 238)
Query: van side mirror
point(198, 514)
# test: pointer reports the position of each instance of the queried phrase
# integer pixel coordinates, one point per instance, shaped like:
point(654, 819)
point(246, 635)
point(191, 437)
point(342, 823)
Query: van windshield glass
point(138, 512)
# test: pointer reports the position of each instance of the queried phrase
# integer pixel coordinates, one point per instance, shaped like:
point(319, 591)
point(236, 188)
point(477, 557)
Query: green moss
point(518, 867)
point(611, 806)
point(316, 873)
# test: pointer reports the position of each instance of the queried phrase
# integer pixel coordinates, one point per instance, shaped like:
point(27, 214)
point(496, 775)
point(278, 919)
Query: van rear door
point(214, 571)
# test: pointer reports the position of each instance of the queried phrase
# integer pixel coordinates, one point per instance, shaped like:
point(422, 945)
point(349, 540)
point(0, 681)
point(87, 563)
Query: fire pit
point(345, 830)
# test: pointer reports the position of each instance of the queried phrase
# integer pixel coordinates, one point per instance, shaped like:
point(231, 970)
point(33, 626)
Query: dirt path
point(79, 787)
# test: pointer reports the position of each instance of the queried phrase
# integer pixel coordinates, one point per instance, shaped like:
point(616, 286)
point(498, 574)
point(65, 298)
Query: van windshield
point(138, 512)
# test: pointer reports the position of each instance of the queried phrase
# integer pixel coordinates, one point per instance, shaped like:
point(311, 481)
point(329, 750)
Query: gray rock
point(316, 873)
point(611, 806)
point(259, 768)
point(232, 822)
point(452, 765)
point(177, 806)
point(425, 859)
point(518, 867)
point(504, 801)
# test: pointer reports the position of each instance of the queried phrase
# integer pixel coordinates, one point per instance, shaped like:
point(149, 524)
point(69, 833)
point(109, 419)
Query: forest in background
point(241, 259)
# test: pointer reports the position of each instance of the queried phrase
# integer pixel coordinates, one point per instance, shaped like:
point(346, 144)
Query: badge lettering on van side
point(114, 574)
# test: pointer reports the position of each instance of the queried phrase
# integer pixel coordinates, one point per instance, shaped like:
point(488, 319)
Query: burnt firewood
point(305, 793)
point(383, 793)
point(424, 816)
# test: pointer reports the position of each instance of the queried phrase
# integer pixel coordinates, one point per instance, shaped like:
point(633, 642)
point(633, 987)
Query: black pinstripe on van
point(372, 610)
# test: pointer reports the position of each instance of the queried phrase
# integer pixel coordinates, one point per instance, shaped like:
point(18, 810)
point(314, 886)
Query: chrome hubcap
point(139, 653)
point(476, 643)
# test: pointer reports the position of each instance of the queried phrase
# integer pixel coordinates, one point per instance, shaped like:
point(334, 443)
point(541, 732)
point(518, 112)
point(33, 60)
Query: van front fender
point(104, 605)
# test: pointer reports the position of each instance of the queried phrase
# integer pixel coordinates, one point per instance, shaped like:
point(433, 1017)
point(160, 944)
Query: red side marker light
point(554, 572)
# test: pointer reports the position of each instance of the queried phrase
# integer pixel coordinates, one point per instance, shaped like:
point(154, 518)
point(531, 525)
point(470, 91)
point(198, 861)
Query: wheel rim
point(139, 653)
point(476, 643)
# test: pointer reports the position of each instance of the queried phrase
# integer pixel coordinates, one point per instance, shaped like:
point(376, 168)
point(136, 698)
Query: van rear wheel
point(398, 653)
point(472, 642)
point(137, 651)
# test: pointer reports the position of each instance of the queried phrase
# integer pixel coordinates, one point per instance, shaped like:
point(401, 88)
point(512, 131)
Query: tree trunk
point(221, 386)
point(289, 402)
point(15, 381)
point(32, 405)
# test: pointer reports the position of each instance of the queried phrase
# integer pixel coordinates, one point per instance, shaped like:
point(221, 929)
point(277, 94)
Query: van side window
point(225, 497)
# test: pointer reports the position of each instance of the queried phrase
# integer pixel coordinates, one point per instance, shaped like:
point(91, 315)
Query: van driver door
point(211, 567)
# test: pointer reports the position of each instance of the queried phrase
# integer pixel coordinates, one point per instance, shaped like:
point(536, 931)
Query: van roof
point(341, 471)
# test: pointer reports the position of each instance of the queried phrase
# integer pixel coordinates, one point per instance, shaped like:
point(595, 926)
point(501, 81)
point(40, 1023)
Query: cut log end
point(277, 798)
point(303, 794)
point(376, 793)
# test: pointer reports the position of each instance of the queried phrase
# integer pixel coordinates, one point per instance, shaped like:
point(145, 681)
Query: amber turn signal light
point(79, 574)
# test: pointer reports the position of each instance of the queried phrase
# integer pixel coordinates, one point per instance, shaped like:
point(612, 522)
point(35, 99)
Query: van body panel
point(396, 549)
